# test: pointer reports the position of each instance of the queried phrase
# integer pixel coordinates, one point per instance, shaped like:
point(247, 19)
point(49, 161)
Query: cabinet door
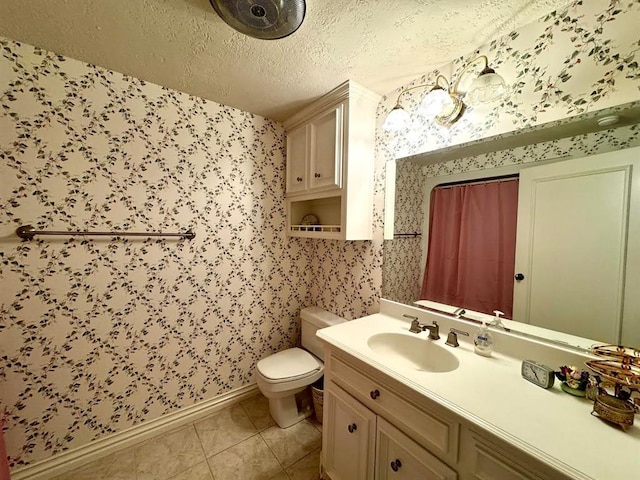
point(482, 459)
point(326, 135)
point(348, 440)
point(400, 458)
point(297, 155)
point(434, 428)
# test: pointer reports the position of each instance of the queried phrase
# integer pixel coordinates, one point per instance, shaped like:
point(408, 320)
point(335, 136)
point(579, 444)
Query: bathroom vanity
point(390, 413)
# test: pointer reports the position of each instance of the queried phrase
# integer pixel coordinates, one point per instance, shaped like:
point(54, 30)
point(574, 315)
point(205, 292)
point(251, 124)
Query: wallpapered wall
point(403, 254)
point(96, 334)
point(576, 60)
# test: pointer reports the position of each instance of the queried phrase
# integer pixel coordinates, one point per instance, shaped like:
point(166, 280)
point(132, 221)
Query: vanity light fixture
point(444, 102)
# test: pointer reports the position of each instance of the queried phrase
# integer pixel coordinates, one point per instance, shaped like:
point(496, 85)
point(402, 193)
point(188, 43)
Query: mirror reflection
point(553, 242)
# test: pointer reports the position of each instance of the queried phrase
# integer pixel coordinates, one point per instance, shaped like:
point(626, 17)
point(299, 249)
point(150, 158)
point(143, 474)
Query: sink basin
point(411, 351)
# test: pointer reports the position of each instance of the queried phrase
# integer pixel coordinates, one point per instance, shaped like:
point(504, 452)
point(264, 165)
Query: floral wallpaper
point(402, 264)
point(99, 334)
point(580, 58)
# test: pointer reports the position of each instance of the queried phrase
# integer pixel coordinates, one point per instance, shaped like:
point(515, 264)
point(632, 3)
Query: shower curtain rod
point(27, 232)
point(479, 181)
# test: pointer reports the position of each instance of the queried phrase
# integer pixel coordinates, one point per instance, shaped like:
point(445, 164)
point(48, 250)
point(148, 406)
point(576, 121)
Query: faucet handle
point(452, 338)
point(415, 324)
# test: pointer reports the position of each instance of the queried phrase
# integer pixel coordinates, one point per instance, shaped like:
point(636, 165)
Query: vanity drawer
point(431, 428)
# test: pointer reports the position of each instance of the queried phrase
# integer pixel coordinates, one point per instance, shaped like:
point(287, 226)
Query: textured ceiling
point(184, 45)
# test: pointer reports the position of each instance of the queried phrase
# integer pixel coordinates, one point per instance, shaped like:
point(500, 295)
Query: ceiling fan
point(263, 19)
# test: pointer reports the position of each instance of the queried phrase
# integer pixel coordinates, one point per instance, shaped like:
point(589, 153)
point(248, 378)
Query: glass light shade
point(397, 119)
point(488, 87)
point(435, 102)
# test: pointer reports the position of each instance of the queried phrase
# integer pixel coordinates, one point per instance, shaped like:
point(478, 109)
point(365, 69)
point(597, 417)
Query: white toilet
point(284, 374)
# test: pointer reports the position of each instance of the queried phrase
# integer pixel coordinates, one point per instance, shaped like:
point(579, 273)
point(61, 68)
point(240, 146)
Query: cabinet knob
point(374, 394)
point(396, 464)
point(519, 277)
point(352, 428)
point(298, 179)
point(317, 175)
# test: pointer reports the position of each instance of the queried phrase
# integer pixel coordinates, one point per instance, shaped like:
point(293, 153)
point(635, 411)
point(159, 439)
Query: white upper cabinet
point(314, 154)
point(297, 177)
point(330, 166)
point(325, 159)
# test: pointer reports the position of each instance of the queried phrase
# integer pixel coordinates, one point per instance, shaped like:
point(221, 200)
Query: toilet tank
point(314, 318)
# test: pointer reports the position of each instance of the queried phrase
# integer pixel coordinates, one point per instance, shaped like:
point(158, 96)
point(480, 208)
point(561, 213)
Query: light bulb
point(434, 102)
point(396, 120)
point(488, 87)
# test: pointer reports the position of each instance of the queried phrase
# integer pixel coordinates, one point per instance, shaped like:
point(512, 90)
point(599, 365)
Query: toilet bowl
point(283, 375)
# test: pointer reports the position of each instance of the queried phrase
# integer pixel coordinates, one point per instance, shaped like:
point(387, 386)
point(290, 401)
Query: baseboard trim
point(77, 457)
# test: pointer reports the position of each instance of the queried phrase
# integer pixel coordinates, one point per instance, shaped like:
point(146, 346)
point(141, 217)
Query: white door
point(297, 155)
point(571, 244)
point(348, 441)
point(326, 150)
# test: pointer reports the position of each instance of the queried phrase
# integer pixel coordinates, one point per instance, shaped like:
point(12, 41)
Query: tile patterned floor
point(239, 443)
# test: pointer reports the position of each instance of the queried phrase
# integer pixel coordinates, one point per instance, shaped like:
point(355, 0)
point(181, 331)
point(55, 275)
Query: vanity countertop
point(550, 425)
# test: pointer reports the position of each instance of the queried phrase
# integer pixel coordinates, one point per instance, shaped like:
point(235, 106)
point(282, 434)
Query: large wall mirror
point(576, 274)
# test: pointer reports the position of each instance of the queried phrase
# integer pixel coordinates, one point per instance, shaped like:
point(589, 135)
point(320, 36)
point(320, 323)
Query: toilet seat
point(289, 365)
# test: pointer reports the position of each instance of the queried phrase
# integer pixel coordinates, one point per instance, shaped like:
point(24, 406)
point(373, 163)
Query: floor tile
point(198, 472)
point(249, 460)
point(117, 466)
point(229, 438)
point(291, 444)
point(224, 429)
point(306, 469)
point(280, 476)
point(315, 423)
point(257, 408)
point(167, 455)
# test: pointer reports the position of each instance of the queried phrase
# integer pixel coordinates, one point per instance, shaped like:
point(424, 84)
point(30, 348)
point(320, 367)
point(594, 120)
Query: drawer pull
point(396, 464)
point(298, 179)
point(352, 428)
point(374, 394)
point(317, 175)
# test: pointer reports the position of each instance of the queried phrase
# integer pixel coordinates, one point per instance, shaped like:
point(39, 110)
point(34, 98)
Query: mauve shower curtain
point(4, 464)
point(472, 245)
